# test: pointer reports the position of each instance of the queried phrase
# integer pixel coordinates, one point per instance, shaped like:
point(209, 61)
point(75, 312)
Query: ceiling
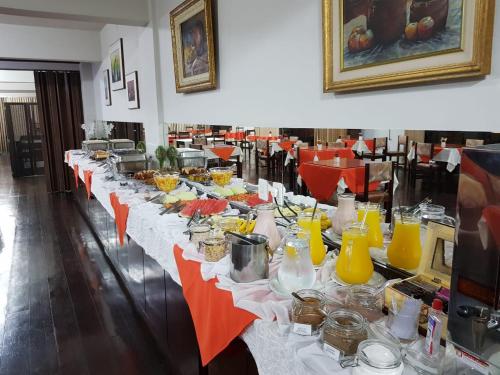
point(50, 22)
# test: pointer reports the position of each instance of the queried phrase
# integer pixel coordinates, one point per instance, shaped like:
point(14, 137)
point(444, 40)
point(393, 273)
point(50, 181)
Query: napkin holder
point(432, 279)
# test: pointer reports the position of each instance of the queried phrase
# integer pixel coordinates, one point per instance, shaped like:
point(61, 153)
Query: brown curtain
point(59, 97)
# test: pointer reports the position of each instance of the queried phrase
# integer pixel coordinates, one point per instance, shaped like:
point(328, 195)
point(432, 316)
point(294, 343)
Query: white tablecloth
point(359, 147)
point(449, 155)
point(276, 351)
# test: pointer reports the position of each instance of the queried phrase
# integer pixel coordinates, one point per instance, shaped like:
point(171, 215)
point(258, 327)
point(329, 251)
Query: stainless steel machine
point(121, 144)
point(95, 145)
point(474, 312)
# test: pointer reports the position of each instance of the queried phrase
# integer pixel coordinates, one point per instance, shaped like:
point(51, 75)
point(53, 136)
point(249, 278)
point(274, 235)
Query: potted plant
point(161, 155)
point(172, 156)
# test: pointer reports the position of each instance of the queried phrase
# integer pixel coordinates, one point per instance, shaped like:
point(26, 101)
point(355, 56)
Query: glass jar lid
point(346, 322)
point(379, 355)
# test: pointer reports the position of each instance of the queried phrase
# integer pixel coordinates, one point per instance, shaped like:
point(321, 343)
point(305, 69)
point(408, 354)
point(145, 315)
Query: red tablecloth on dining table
point(322, 177)
point(216, 320)
point(308, 154)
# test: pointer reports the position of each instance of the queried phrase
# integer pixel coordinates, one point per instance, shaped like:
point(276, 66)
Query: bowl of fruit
point(221, 176)
point(166, 181)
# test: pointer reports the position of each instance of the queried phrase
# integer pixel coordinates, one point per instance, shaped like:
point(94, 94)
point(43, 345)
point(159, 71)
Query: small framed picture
point(132, 91)
point(107, 90)
point(117, 65)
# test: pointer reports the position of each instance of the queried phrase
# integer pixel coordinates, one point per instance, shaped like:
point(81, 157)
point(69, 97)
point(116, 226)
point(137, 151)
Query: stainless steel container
point(249, 262)
point(128, 161)
point(95, 145)
point(121, 144)
point(191, 158)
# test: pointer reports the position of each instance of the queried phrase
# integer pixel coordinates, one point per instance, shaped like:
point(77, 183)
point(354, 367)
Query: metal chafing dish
point(121, 144)
point(95, 145)
point(128, 161)
point(191, 158)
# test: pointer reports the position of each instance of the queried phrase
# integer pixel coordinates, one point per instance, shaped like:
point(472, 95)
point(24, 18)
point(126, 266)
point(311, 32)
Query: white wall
point(270, 74)
point(51, 44)
point(138, 55)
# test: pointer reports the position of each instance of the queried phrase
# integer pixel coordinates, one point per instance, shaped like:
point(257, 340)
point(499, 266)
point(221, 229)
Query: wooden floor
point(62, 310)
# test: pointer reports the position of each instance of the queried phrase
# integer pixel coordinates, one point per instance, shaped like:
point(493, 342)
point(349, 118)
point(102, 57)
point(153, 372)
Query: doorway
point(25, 139)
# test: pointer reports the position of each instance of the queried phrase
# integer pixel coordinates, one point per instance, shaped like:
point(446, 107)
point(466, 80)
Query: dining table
point(451, 155)
point(324, 177)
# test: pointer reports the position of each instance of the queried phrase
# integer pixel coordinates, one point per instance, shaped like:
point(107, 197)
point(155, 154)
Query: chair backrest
point(219, 142)
point(184, 134)
point(189, 128)
point(424, 149)
point(380, 171)
point(262, 144)
point(250, 132)
point(200, 141)
point(380, 143)
point(474, 142)
point(402, 140)
point(240, 129)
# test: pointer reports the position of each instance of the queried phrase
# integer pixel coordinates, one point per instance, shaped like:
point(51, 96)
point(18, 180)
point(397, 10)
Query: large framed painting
point(107, 90)
point(193, 46)
point(117, 65)
point(132, 91)
point(370, 44)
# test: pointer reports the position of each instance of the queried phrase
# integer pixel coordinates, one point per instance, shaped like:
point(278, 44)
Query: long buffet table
point(157, 258)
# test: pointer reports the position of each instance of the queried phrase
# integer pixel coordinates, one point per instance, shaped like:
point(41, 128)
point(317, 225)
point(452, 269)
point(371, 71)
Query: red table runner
point(216, 320)
point(121, 216)
point(238, 136)
point(322, 180)
point(308, 154)
point(76, 170)
point(87, 178)
point(223, 152)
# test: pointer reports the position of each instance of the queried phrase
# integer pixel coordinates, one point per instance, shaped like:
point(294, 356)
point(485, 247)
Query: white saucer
point(377, 280)
point(280, 291)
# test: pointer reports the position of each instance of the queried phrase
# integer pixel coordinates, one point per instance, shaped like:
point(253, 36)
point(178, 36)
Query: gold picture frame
point(191, 26)
point(471, 60)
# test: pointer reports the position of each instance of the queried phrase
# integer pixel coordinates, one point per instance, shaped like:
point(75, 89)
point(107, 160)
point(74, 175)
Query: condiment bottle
point(405, 249)
point(345, 214)
point(434, 328)
point(372, 212)
point(354, 264)
point(266, 224)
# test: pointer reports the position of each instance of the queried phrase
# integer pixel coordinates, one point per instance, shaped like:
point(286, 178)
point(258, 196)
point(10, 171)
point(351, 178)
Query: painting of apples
point(376, 32)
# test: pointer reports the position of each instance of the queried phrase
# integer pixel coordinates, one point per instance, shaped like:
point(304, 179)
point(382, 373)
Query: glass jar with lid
point(376, 357)
point(266, 224)
point(366, 300)
point(199, 233)
point(343, 331)
point(308, 312)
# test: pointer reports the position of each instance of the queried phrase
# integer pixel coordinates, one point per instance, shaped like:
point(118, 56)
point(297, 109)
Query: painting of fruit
point(378, 32)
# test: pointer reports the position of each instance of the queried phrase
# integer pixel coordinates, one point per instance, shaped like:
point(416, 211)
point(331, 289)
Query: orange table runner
point(76, 170)
point(87, 178)
point(223, 152)
point(216, 320)
point(307, 155)
point(238, 136)
point(322, 180)
point(121, 216)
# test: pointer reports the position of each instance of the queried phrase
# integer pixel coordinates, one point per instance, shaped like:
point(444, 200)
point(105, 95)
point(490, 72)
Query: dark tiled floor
point(62, 310)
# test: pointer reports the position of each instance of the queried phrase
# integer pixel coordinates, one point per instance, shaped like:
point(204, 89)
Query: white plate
point(280, 291)
point(376, 280)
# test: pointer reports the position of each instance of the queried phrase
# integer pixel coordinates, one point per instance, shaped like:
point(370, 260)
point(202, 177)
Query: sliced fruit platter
point(207, 207)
